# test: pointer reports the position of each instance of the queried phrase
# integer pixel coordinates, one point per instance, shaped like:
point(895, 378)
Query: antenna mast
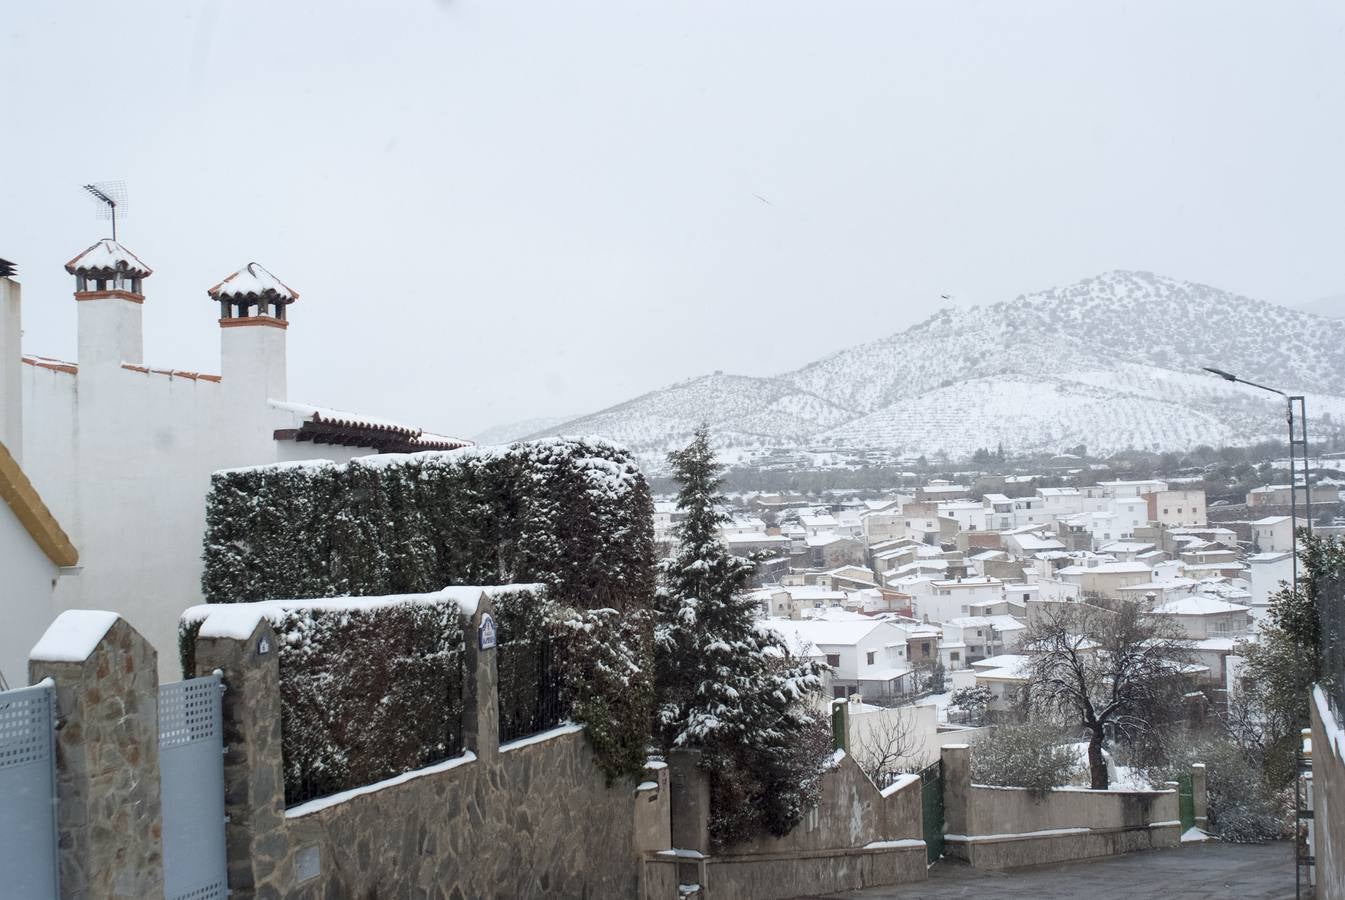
point(111, 195)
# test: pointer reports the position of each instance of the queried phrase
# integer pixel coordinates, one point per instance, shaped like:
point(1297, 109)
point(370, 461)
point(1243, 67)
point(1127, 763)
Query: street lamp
point(1293, 404)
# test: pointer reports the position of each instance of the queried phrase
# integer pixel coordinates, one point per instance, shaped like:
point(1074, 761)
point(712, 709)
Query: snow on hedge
point(574, 514)
point(370, 688)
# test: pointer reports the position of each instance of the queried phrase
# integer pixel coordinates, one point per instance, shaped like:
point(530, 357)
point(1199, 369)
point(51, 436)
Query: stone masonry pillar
point(254, 775)
point(956, 795)
point(109, 815)
point(480, 705)
point(1200, 798)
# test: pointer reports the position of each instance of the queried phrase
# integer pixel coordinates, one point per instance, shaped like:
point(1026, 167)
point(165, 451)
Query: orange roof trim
point(33, 515)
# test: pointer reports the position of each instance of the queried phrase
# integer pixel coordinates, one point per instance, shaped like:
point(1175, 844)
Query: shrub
point(572, 514)
point(1242, 808)
point(1029, 755)
point(368, 689)
point(753, 793)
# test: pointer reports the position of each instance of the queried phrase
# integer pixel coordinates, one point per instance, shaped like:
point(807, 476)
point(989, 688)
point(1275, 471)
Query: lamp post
point(1299, 441)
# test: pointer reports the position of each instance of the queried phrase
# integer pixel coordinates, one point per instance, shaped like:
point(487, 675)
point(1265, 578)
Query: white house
point(942, 599)
point(866, 655)
point(1274, 534)
point(1200, 616)
point(1266, 574)
point(1006, 676)
point(122, 452)
point(37, 560)
point(981, 637)
point(1176, 508)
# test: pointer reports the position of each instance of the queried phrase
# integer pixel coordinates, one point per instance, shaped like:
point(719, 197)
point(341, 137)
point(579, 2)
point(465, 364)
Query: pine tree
point(725, 685)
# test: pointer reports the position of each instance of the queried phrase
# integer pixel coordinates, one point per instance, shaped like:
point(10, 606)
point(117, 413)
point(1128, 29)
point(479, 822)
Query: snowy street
point(1215, 870)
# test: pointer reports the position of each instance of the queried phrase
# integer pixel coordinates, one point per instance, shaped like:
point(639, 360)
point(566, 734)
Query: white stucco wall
point(26, 585)
point(123, 460)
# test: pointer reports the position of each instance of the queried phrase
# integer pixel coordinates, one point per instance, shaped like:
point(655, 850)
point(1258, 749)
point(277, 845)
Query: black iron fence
point(530, 689)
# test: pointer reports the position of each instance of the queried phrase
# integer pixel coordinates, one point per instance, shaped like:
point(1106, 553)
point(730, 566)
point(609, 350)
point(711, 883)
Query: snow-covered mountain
point(512, 431)
point(1112, 362)
point(1332, 307)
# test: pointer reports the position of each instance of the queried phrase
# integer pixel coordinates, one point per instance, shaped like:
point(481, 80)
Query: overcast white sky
point(496, 210)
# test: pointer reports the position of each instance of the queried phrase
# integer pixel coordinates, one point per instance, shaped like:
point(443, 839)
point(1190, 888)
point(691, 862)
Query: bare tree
point(889, 745)
point(1101, 668)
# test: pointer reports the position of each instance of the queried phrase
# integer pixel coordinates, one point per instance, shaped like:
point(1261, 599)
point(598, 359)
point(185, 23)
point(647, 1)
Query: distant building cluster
point(947, 576)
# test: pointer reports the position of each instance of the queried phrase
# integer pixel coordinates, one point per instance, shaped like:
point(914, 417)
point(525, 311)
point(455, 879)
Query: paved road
point(1212, 870)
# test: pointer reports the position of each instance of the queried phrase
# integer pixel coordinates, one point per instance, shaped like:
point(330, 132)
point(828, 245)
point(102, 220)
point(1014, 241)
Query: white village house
point(121, 452)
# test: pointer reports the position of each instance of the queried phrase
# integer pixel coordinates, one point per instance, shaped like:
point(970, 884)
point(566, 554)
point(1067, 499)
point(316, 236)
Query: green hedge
point(574, 514)
point(369, 689)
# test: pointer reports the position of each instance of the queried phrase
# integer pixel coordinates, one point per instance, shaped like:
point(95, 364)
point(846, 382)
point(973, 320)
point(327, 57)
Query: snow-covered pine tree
point(725, 685)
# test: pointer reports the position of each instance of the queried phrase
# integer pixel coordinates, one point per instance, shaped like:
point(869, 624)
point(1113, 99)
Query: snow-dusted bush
point(1242, 807)
point(607, 682)
point(572, 514)
point(368, 690)
point(1029, 755)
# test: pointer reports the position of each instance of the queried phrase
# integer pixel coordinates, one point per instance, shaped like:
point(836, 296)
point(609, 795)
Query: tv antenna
point(111, 197)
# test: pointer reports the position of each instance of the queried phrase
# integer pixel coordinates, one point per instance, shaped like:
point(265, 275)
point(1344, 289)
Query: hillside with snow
point(1112, 362)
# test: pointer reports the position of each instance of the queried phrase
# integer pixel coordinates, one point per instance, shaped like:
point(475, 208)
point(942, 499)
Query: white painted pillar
point(11, 367)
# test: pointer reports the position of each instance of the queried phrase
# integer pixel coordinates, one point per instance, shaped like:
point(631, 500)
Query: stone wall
point(531, 818)
point(857, 836)
point(109, 818)
point(1328, 799)
point(999, 827)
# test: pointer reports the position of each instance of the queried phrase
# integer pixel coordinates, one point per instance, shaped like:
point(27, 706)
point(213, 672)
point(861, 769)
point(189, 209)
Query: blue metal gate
point(191, 767)
point(28, 862)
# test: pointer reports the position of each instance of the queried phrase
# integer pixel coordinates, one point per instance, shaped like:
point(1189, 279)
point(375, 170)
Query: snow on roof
point(969, 582)
point(825, 538)
point(1281, 556)
point(1000, 623)
point(1005, 667)
point(1197, 605)
point(1125, 547)
point(1106, 568)
point(1167, 585)
point(1270, 520)
point(108, 256)
point(825, 632)
point(1032, 542)
point(73, 635)
point(755, 537)
point(1058, 492)
point(253, 281)
point(884, 674)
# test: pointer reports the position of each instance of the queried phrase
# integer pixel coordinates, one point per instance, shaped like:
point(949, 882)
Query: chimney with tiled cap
point(253, 307)
point(108, 286)
point(11, 362)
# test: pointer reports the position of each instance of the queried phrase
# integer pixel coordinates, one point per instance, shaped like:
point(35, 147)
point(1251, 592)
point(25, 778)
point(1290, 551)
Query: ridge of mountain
point(1111, 361)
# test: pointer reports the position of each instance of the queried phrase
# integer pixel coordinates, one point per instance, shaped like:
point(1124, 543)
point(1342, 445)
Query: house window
point(1027, 597)
point(834, 660)
point(868, 658)
point(924, 648)
point(954, 656)
point(838, 693)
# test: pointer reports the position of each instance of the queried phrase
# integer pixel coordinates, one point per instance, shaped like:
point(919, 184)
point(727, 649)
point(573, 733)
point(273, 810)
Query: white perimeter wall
point(26, 577)
point(123, 460)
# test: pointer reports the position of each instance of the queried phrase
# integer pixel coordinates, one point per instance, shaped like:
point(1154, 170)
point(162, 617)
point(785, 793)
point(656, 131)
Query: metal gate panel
point(1186, 803)
point(191, 766)
point(28, 860)
point(931, 810)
